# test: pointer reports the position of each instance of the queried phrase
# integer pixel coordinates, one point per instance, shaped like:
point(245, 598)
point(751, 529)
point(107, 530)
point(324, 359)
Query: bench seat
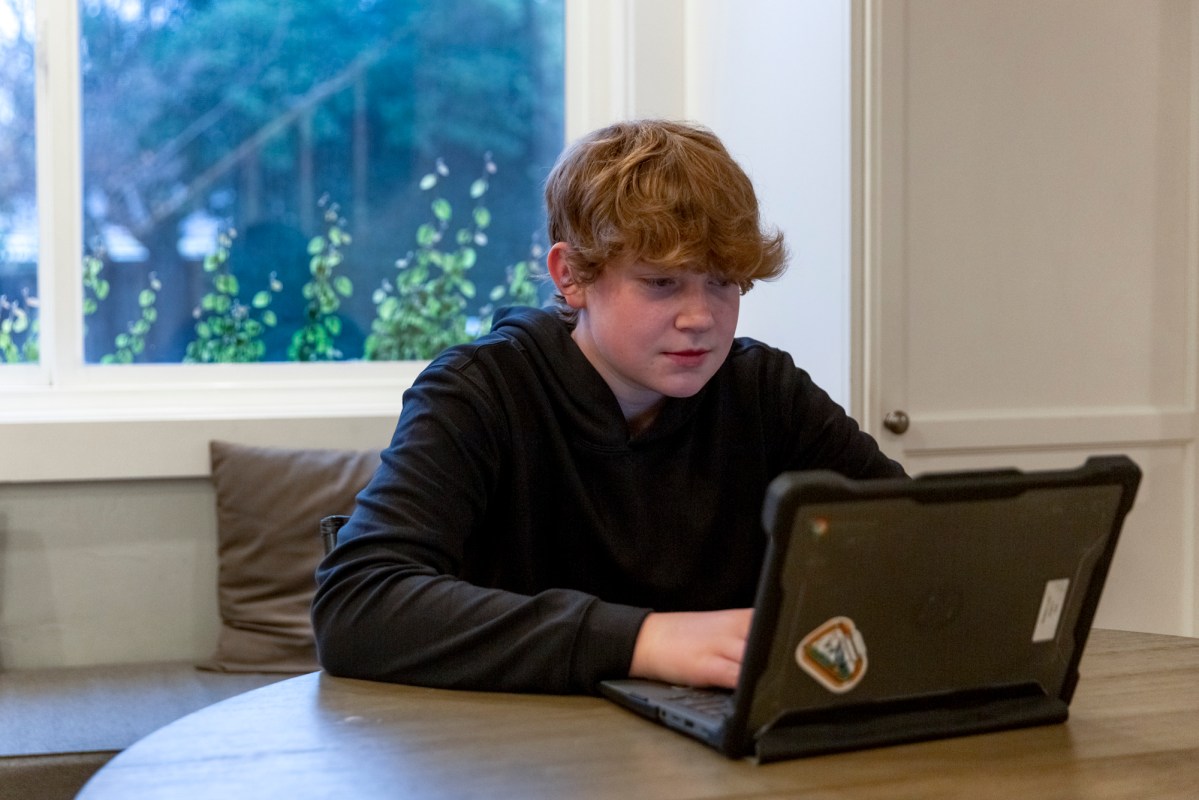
point(58, 726)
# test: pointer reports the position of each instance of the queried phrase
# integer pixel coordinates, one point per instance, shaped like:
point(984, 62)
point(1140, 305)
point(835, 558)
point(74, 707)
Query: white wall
point(113, 566)
point(107, 572)
point(115, 571)
point(125, 569)
point(1034, 256)
point(772, 78)
point(110, 570)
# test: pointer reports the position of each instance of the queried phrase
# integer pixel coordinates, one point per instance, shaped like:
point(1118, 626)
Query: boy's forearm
point(438, 631)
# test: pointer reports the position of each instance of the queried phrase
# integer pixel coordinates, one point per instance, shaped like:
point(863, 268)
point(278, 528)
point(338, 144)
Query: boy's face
point(654, 332)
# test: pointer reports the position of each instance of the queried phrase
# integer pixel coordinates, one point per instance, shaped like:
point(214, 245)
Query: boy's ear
point(558, 264)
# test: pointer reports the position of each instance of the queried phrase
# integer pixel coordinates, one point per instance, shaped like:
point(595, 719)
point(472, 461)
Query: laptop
point(899, 610)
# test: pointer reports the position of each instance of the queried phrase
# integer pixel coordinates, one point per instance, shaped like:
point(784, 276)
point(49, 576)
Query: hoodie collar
point(578, 388)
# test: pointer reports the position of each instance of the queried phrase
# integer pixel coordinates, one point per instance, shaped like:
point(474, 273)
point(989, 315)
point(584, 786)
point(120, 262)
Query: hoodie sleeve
point(819, 434)
point(389, 605)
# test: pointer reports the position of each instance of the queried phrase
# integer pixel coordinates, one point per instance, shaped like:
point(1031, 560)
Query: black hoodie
point(515, 536)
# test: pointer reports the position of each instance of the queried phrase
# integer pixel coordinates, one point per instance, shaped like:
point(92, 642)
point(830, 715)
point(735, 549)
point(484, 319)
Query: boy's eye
point(658, 282)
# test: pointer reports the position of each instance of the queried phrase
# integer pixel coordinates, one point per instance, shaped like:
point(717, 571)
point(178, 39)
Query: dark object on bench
point(329, 527)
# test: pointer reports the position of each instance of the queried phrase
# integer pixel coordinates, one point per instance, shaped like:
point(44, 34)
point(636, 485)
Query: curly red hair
point(659, 191)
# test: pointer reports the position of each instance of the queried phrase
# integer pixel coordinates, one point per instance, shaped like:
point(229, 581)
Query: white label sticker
point(1052, 604)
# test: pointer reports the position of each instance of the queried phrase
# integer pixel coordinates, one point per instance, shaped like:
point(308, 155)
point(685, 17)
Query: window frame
point(69, 420)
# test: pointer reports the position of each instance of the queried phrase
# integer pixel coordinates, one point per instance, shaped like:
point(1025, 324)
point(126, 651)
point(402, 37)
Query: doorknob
point(897, 422)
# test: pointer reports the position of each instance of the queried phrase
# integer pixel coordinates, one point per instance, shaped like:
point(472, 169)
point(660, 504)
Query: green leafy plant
point(95, 288)
point(18, 330)
point(314, 341)
point(132, 343)
point(227, 330)
point(423, 310)
point(129, 345)
point(520, 287)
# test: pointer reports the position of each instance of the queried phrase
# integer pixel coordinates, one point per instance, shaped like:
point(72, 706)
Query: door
point(1028, 255)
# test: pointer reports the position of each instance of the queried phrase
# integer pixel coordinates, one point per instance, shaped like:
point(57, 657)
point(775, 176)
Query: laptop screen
point(887, 598)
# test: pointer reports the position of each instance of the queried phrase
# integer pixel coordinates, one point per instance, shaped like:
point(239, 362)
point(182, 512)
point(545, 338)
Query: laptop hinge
point(886, 723)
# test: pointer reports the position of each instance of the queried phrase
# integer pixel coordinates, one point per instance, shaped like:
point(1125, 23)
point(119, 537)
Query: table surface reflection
point(1133, 732)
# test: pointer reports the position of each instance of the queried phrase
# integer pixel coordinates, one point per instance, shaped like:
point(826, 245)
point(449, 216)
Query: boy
point(576, 495)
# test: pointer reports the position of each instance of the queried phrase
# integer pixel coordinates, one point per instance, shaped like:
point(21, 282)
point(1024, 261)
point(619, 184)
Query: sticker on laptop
point(1053, 602)
point(834, 654)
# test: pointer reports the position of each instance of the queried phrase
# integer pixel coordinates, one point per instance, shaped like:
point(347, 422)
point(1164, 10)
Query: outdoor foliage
point(240, 114)
point(248, 112)
point(227, 330)
point(129, 345)
point(17, 120)
point(429, 305)
point(314, 341)
point(18, 331)
point(423, 311)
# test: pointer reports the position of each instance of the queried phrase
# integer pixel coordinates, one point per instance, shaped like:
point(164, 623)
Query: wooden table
point(1133, 732)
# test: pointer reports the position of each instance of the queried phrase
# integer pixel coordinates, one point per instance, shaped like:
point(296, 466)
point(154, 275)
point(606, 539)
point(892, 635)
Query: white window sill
point(101, 429)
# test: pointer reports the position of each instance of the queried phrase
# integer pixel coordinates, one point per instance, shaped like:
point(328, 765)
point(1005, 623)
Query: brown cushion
point(269, 503)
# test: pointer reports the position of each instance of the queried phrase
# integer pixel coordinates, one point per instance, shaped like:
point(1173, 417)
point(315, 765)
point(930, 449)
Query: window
point(75, 415)
point(18, 195)
point(313, 180)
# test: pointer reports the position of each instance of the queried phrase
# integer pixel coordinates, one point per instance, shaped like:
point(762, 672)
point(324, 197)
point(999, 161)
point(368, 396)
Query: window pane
point(18, 200)
point(314, 179)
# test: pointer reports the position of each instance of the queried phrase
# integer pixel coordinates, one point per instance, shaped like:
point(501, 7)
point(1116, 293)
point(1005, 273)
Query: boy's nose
point(696, 311)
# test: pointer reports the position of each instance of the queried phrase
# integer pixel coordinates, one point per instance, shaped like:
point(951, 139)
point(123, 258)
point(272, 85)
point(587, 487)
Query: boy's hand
point(701, 648)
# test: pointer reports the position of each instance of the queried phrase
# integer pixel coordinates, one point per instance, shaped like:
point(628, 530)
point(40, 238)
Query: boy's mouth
point(687, 358)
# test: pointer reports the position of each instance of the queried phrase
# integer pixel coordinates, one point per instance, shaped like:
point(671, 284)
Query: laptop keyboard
point(711, 703)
